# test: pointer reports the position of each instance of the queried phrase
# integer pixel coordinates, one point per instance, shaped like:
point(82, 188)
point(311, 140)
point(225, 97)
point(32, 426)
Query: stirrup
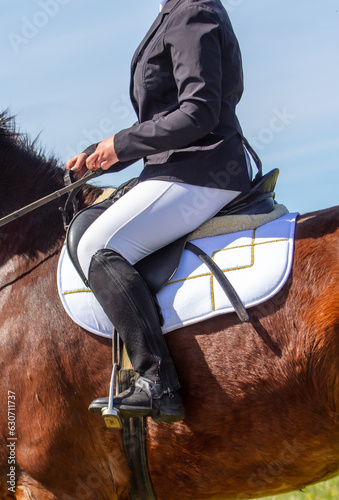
point(111, 415)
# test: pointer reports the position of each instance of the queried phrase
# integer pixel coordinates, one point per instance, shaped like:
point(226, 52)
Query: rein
point(47, 199)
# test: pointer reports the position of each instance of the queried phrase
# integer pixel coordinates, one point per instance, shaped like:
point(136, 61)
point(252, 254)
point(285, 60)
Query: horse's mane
point(27, 174)
point(17, 147)
point(43, 169)
point(9, 134)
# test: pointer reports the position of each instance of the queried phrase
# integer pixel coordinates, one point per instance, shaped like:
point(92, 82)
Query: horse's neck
point(40, 233)
point(32, 237)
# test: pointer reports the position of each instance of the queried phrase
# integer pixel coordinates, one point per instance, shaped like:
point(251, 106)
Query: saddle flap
point(76, 229)
point(158, 267)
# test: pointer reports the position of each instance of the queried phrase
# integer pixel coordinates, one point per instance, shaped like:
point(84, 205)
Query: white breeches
point(149, 216)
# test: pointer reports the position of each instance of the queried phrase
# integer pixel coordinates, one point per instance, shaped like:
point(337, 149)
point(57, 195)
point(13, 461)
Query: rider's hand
point(78, 164)
point(104, 156)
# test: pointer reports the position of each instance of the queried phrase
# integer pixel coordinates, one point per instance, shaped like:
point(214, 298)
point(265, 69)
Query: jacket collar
point(161, 4)
point(168, 7)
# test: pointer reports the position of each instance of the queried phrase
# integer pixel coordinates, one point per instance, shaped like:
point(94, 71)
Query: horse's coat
point(262, 400)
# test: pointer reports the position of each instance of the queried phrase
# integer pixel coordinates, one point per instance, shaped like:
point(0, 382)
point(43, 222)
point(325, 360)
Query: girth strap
point(222, 280)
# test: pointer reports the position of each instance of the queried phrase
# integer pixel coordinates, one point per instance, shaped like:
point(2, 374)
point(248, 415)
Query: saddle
point(157, 268)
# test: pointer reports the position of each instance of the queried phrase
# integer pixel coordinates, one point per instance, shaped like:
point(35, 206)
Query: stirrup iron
point(111, 415)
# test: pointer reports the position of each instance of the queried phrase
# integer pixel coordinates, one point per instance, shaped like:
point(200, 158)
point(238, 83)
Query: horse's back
point(261, 405)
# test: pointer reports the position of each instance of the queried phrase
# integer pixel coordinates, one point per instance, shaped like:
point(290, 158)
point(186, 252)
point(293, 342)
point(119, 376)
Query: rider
point(186, 82)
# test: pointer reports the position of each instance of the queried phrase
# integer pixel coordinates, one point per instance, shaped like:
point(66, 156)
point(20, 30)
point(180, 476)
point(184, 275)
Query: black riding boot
point(128, 303)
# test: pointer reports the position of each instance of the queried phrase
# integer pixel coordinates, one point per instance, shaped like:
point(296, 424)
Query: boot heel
point(170, 411)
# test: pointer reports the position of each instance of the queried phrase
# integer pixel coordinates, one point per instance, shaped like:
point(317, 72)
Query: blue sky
point(66, 66)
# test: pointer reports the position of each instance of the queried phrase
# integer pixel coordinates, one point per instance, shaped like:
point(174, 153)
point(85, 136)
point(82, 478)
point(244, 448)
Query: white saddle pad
point(257, 262)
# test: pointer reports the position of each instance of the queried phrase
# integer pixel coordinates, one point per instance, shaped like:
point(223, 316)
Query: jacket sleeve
point(193, 38)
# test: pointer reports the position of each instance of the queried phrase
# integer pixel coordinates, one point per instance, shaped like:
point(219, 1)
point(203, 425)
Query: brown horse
point(262, 399)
